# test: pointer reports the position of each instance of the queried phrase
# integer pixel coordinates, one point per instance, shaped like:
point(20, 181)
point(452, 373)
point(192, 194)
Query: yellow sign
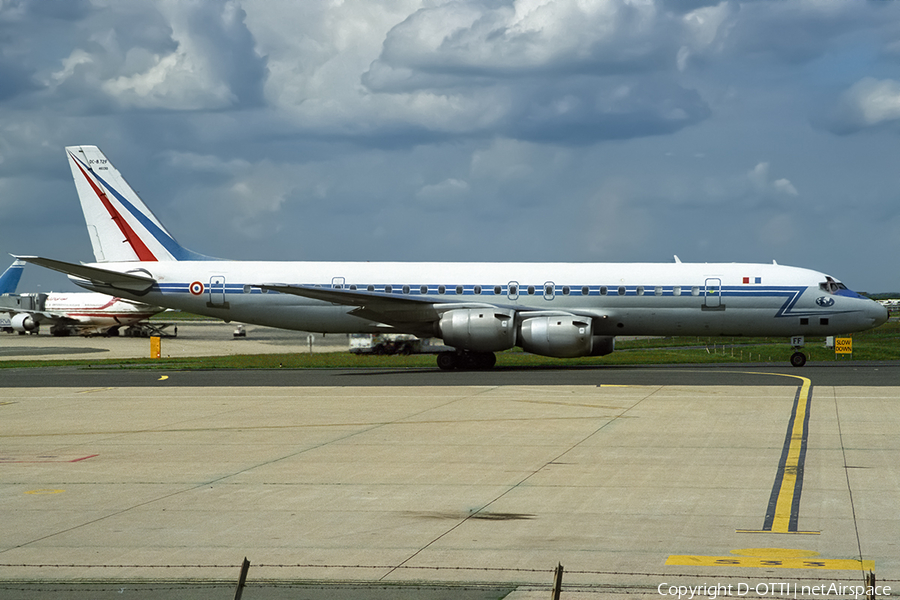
point(843, 345)
point(155, 347)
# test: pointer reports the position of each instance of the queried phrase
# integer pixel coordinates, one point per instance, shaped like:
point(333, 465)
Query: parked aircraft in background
point(551, 309)
point(9, 281)
point(83, 313)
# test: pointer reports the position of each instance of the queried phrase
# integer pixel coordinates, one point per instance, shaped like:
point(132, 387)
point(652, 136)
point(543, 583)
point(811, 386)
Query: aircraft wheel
point(484, 360)
point(798, 359)
point(446, 361)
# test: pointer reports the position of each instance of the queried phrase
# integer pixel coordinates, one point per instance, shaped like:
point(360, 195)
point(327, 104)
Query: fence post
point(557, 581)
point(242, 579)
point(870, 583)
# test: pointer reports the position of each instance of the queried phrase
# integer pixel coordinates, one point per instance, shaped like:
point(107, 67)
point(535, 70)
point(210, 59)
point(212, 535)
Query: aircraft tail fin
point(9, 281)
point(121, 227)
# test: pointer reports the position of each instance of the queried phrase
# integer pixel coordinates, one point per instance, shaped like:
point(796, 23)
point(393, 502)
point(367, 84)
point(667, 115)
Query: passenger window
point(565, 290)
point(497, 290)
point(423, 290)
point(695, 291)
point(370, 288)
point(441, 289)
point(513, 290)
point(477, 289)
point(640, 290)
point(621, 290)
point(585, 291)
point(459, 290)
point(603, 290)
point(246, 289)
point(676, 291)
point(405, 289)
point(388, 289)
point(531, 290)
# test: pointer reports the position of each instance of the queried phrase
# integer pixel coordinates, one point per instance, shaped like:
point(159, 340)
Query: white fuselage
point(96, 311)
point(621, 298)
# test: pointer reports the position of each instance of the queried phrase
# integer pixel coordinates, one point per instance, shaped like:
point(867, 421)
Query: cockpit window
point(831, 286)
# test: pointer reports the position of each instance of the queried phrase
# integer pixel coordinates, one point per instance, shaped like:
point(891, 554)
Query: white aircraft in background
point(78, 312)
point(552, 309)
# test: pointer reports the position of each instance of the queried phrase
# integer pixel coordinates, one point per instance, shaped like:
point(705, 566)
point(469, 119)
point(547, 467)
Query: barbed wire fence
point(157, 578)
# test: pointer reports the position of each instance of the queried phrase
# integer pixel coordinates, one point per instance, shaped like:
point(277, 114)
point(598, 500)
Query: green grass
point(882, 343)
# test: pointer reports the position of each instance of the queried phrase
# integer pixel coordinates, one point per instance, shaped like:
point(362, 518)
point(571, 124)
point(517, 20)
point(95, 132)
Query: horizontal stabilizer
point(130, 282)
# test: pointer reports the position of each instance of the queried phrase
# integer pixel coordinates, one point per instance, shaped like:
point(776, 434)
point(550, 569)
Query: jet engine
point(478, 329)
point(560, 337)
point(23, 323)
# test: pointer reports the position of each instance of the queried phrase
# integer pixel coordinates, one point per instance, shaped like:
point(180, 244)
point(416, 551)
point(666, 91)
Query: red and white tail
point(121, 227)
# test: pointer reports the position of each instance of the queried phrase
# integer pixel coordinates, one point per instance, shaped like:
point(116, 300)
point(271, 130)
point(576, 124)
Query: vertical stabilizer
point(9, 281)
point(120, 225)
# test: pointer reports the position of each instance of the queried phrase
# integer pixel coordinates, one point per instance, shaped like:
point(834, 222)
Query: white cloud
point(762, 183)
point(868, 103)
point(446, 194)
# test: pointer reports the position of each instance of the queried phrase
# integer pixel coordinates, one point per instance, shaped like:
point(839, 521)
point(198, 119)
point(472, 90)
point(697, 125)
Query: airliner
point(552, 309)
point(85, 313)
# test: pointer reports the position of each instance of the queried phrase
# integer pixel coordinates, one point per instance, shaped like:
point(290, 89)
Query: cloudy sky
point(513, 130)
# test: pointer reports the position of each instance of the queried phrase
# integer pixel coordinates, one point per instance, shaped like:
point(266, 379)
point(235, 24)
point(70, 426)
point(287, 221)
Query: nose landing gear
point(798, 359)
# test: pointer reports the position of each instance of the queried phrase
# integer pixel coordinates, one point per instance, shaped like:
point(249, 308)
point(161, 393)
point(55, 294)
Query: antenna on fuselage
point(677, 260)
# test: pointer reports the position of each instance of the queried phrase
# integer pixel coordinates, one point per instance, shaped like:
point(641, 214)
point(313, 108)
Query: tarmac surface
point(750, 482)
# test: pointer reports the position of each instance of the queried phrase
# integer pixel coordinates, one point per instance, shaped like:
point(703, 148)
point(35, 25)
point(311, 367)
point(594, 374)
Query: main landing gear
point(466, 360)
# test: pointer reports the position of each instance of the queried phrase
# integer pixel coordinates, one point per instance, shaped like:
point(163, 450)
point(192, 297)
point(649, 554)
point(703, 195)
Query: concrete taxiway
point(753, 481)
point(640, 482)
point(189, 338)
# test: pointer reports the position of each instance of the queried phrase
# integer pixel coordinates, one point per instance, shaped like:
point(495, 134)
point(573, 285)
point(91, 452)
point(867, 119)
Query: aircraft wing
point(130, 282)
point(416, 315)
point(41, 316)
point(409, 313)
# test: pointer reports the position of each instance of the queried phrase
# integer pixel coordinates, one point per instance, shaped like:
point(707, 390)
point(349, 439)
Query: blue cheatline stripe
point(791, 294)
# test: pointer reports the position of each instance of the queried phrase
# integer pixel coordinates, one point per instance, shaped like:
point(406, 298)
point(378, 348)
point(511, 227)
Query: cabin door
point(217, 292)
point(713, 293)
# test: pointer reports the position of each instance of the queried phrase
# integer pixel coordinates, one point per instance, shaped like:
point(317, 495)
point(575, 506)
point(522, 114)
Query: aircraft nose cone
point(878, 313)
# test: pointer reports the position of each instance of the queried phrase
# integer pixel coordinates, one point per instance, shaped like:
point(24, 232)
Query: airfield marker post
point(557, 581)
point(239, 590)
point(155, 347)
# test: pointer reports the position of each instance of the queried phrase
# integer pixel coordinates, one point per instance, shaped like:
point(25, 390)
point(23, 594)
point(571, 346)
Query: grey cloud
point(474, 38)
point(589, 110)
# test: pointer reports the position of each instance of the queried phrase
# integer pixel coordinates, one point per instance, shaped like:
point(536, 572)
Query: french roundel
point(196, 288)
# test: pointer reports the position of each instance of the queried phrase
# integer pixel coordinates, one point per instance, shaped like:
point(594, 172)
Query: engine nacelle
point(478, 329)
point(23, 323)
point(601, 345)
point(559, 337)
